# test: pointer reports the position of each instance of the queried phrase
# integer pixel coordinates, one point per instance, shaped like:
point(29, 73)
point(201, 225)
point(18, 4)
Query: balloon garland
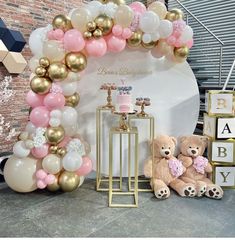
point(49, 152)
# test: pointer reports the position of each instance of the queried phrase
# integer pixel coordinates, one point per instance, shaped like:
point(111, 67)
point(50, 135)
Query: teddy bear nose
point(193, 151)
point(167, 152)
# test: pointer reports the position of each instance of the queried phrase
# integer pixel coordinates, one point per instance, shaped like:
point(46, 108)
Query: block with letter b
point(218, 127)
point(224, 176)
point(220, 103)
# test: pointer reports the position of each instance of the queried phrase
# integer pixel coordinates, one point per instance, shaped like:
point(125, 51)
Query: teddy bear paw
point(214, 191)
point(162, 193)
point(189, 191)
point(201, 189)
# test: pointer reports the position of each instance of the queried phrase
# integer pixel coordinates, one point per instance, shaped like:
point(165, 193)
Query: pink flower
point(200, 163)
point(176, 167)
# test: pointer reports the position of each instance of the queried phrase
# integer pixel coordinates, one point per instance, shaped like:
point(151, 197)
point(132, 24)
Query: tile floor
point(84, 213)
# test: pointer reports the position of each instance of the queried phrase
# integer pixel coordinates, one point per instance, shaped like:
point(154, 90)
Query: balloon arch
point(49, 152)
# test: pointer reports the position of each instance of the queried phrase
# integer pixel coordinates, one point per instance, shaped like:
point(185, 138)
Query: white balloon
point(54, 122)
point(20, 150)
point(155, 36)
point(94, 7)
point(30, 128)
point(71, 130)
point(36, 40)
point(165, 28)
point(149, 22)
point(71, 12)
point(56, 114)
point(72, 77)
point(69, 88)
point(34, 62)
point(146, 38)
point(72, 161)
point(69, 116)
point(109, 9)
point(187, 34)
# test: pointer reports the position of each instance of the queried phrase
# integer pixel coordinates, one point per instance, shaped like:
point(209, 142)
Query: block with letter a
point(225, 176)
point(209, 126)
point(222, 151)
point(225, 128)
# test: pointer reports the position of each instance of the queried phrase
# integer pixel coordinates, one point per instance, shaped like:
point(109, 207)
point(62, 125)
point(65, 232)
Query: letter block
point(222, 152)
point(218, 127)
point(224, 176)
point(220, 103)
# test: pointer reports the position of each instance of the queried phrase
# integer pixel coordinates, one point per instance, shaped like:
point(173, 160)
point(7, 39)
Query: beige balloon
point(53, 50)
point(79, 19)
point(33, 63)
point(164, 48)
point(159, 8)
point(124, 16)
point(19, 173)
point(52, 164)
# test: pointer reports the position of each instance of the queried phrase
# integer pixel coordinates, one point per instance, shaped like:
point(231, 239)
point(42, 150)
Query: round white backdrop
point(172, 89)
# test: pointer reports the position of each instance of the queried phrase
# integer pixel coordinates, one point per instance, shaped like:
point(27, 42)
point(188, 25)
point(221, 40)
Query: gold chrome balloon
point(149, 45)
point(76, 62)
point(91, 26)
point(97, 34)
point(135, 39)
point(53, 149)
point(61, 152)
point(61, 22)
point(54, 186)
point(44, 62)
point(73, 100)
point(104, 23)
point(40, 85)
point(57, 71)
point(175, 14)
point(68, 181)
point(40, 71)
point(54, 135)
point(181, 53)
point(87, 35)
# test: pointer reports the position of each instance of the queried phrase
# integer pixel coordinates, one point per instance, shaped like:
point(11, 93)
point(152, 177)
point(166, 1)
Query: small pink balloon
point(50, 178)
point(50, 35)
point(126, 33)
point(116, 44)
point(189, 44)
point(58, 34)
point(117, 30)
point(40, 152)
point(40, 116)
point(65, 141)
point(96, 48)
point(41, 174)
point(41, 184)
point(138, 7)
point(85, 168)
point(54, 101)
point(171, 40)
point(34, 99)
point(178, 43)
point(73, 41)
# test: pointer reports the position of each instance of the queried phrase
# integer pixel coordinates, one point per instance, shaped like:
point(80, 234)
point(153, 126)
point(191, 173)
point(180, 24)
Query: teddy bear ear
point(174, 140)
point(205, 140)
point(182, 139)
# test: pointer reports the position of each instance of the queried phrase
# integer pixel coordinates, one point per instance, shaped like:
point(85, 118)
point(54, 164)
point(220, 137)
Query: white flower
point(76, 145)
point(39, 138)
point(109, 9)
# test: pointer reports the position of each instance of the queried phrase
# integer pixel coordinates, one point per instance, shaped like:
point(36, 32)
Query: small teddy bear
point(198, 167)
point(164, 169)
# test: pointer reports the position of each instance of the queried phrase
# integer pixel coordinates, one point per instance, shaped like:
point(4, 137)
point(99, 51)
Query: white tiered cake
point(124, 99)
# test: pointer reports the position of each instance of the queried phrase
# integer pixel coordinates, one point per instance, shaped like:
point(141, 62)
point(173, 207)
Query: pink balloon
point(126, 33)
point(41, 184)
point(73, 41)
point(96, 48)
point(41, 174)
point(189, 44)
point(178, 43)
point(85, 168)
point(50, 178)
point(40, 152)
point(58, 34)
point(50, 35)
point(116, 44)
point(171, 40)
point(54, 101)
point(34, 99)
point(117, 30)
point(138, 7)
point(40, 116)
point(65, 141)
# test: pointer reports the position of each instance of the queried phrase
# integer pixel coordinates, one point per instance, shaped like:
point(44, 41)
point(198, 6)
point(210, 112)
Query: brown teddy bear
point(165, 169)
point(198, 168)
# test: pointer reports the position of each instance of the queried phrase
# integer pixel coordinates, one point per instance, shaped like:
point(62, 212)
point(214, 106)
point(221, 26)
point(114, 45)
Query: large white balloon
point(72, 161)
point(69, 117)
point(72, 77)
point(94, 7)
point(33, 63)
point(20, 150)
point(69, 88)
point(149, 22)
point(165, 28)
